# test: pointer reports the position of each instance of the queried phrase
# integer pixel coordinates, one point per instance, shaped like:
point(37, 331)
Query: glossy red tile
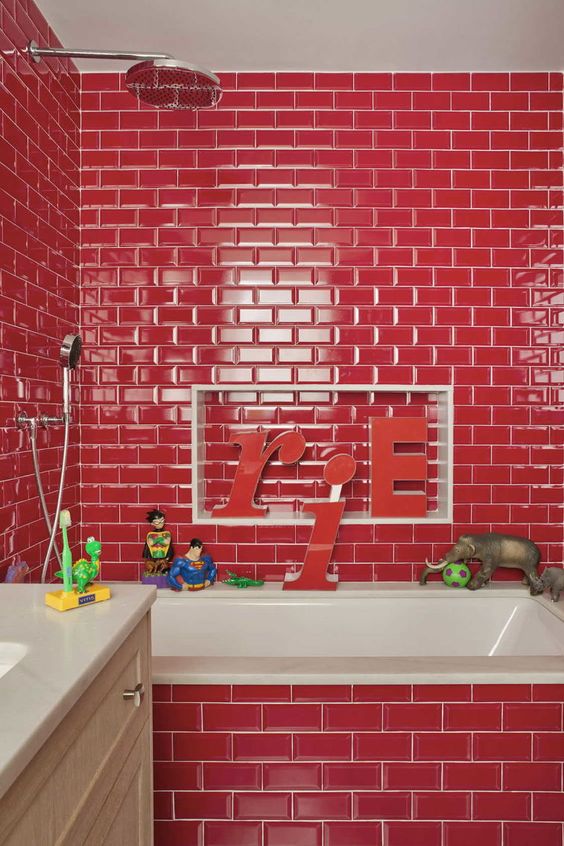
point(353, 834)
point(472, 776)
point(263, 747)
point(294, 776)
point(198, 804)
point(176, 775)
point(537, 716)
point(384, 746)
point(359, 717)
point(228, 776)
point(231, 717)
point(323, 805)
point(469, 833)
point(351, 776)
point(468, 716)
point(292, 717)
point(228, 833)
point(181, 833)
point(443, 805)
point(202, 746)
point(535, 777)
point(297, 833)
point(412, 717)
point(321, 693)
point(170, 716)
point(327, 747)
point(412, 833)
point(523, 833)
point(264, 806)
point(505, 806)
point(382, 693)
point(411, 776)
point(502, 693)
point(431, 746)
point(547, 807)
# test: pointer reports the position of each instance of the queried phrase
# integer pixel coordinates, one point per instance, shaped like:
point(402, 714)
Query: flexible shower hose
point(55, 524)
point(35, 456)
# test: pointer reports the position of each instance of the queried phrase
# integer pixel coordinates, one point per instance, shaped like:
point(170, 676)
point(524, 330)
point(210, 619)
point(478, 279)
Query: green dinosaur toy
point(241, 581)
point(83, 571)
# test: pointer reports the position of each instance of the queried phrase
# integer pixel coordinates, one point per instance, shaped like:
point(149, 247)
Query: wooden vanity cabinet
point(91, 782)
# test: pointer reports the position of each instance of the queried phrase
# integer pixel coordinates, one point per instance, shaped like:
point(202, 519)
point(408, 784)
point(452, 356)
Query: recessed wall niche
point(332, 419)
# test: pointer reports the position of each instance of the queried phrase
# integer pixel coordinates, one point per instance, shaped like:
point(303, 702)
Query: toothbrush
point(64, 522)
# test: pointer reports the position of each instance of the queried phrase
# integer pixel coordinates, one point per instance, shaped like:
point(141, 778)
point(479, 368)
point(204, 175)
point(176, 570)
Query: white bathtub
point(364, 634)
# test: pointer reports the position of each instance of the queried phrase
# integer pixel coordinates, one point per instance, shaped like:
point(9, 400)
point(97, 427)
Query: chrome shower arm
point(37, 53)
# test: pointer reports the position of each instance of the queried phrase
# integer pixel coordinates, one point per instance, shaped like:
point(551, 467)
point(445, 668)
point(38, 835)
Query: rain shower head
point(70, 351)
point(169, 84)
point(158, 79)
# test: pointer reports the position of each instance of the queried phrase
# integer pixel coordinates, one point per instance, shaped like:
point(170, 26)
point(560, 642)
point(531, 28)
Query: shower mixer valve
point(23, 419)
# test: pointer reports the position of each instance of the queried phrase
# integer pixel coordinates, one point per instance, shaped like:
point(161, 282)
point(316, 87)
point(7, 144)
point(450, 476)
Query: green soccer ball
point(456, 575)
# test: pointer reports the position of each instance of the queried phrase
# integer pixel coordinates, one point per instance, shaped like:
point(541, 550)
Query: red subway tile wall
point(39, 299)
point(428, 765)
point(328, 228)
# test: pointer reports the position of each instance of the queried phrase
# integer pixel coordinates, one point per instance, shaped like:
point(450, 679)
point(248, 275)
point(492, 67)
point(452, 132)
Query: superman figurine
point(158, 550)
point(194, 571)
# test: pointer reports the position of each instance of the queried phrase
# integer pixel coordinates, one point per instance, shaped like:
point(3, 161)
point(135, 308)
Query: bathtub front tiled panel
point(400, 765)
point(332, 229)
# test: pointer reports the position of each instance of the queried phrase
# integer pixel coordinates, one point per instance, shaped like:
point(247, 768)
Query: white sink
point(10, 654)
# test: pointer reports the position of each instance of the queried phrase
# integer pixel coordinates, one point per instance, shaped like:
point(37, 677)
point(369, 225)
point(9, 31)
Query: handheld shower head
point(70, 351)
point(68, 358)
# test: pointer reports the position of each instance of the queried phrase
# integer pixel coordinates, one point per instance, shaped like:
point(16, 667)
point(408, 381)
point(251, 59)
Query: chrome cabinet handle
point(137, 694)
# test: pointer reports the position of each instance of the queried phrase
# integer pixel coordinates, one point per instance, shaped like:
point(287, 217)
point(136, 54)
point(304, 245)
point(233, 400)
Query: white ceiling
point(345, 35)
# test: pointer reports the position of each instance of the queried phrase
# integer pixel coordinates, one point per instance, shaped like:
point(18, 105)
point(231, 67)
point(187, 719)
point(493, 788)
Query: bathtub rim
point(359, 671)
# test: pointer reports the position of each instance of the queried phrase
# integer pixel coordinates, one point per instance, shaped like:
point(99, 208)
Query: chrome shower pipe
point(37, 53)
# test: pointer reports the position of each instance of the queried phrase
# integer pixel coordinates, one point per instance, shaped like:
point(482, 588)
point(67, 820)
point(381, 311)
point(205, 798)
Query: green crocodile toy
point(83, 571)
point(241, 581)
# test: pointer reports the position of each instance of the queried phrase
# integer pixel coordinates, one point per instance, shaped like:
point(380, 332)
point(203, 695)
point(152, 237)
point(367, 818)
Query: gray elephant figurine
point(553, 578)
point(493, 550)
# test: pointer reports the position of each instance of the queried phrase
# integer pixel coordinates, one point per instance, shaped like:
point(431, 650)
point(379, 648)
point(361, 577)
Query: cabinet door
point(126, 817)
point(66, 784)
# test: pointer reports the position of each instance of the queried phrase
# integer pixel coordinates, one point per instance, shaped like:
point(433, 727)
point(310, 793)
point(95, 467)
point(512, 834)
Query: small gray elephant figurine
point(493, 550)
point(553, 578)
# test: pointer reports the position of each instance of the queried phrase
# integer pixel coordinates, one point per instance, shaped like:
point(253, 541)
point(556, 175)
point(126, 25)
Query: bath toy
point(553, 578)
point(241, 581)
point(493, 550)
point(158, 551)
point(456, 575)
point(83, 571)
point(17, 572)
point(193, 571)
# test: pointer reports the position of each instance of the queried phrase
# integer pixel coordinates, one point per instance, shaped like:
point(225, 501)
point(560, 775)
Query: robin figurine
point(158, 550)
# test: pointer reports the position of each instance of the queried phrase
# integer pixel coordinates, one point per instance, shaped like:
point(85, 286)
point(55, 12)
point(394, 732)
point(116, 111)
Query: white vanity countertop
point(64, 653)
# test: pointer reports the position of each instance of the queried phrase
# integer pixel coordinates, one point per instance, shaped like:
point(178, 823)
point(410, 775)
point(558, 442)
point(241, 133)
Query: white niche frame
point(445, 430)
